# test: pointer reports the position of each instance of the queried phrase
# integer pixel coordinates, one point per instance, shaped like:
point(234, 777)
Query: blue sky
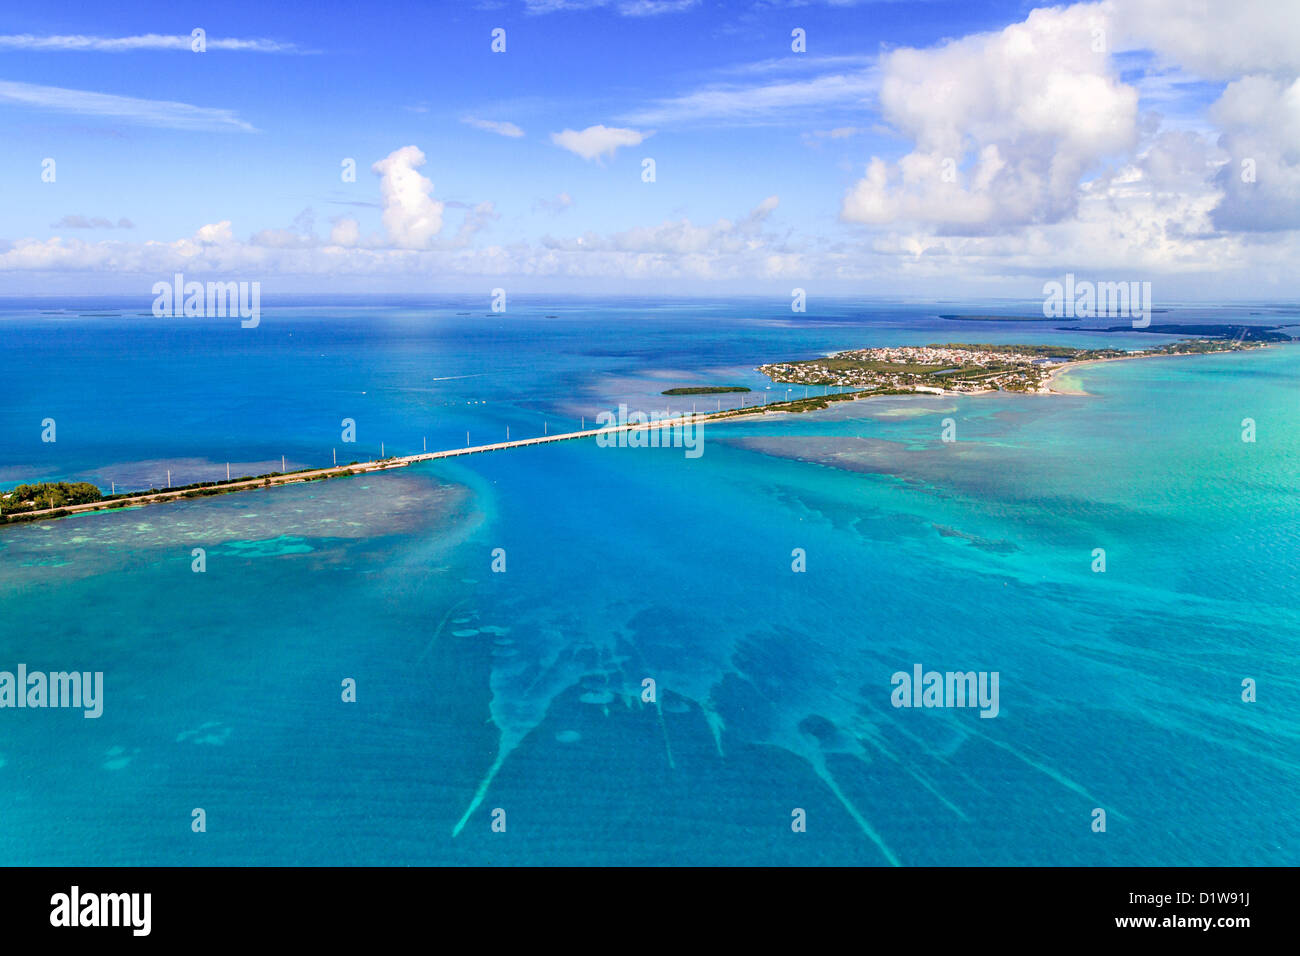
point(763, 155)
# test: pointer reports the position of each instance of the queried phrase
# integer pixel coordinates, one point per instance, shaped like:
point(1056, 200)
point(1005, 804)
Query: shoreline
point(1070, 366)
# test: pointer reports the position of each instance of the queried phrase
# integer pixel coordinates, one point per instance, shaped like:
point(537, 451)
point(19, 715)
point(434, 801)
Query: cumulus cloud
point(494, 126)
point(411, 215)
point(282, 239)
point(1004, 125)
point(1260, 119)
point(1217, 39)
point(476, 219)
point(214, 233)
point(597, 142)
point(346, 232)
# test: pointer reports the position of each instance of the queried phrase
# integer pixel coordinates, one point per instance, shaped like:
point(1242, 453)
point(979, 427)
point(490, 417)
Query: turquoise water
point(521, 690)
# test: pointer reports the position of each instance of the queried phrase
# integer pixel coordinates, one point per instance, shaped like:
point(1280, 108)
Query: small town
point(955, 368)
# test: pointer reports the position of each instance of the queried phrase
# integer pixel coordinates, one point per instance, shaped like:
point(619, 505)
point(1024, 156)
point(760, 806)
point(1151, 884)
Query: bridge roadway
point(383, 464)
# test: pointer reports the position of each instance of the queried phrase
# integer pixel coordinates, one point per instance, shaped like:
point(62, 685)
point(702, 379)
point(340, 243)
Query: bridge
point(381, 464)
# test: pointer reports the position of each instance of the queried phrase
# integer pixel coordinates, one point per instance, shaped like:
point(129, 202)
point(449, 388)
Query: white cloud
point(627, 8)
point(346, 232)
point(147, 41)
point(818, 137)
point(766, 102)
point(555, 205)
point(1014, 119)
point(677, 237)
point(1260, 119)
point(654, 8)
point(91, 222)
point(164, 113)
point(411, 215)
point(493, 126)
point(217, 232)
point(1138, 223)
point(597, 142)
point(1217, 39)
point(476, 219)
point(282, 239)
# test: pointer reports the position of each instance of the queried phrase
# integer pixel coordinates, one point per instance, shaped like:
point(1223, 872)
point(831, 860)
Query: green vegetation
point(1042, 351)
point(705, 390)
point(812, 403)
point(1196, 347)
point(48, 494)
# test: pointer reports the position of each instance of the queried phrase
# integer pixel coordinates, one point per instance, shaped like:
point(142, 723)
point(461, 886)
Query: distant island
point(1240, 333)
point(705, 390)
point(961, 367)
point(1027, 318)
point(999, 318)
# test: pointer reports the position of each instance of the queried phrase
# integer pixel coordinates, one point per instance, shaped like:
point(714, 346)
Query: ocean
point(499, 615)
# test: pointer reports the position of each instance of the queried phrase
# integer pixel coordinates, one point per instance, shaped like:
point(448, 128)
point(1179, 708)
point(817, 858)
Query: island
point(1010, 318)
point(704, 390)
point(1238, 333)
point(961, 367)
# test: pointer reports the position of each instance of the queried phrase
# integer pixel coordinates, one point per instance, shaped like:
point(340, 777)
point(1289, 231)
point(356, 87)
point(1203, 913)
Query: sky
point(917, 148)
